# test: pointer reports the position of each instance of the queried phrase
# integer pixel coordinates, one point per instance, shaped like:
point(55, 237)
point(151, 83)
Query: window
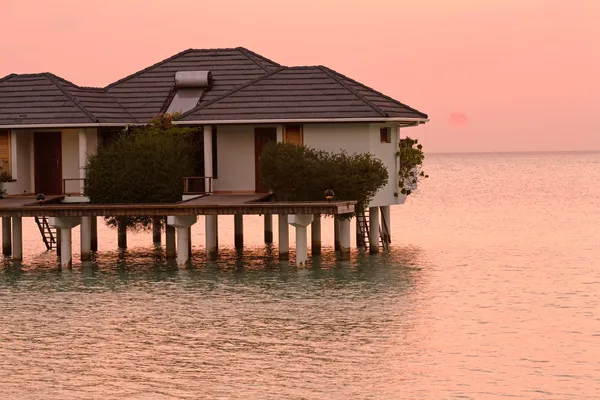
point(293, 134)
point(385, 135)
point(5, 151)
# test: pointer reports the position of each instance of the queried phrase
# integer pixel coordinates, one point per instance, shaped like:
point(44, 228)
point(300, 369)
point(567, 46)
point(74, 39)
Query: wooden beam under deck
point(208, 205)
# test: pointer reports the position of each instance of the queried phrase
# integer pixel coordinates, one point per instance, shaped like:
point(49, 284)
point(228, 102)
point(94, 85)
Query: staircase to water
point(48, 233)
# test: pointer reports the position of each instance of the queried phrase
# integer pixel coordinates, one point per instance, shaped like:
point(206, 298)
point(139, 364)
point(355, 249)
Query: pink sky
point(494, 75)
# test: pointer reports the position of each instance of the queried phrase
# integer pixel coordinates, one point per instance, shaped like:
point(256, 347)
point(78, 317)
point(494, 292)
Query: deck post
point(86, 238)
point(301, 222)
point(66, 254)
point(336, 233)
point(156, 230)
point(82, 158)
point(284, 237)
point(360, 240)
point(344, 224)
point(58, 243)
point(315, 235)
point(182, 224)
point(208, 155)
point(211, 229)
point(385, 223)
point(238, 227)
point(122, 234)
point(189, 242)
point(374, 229)
point(64, 225)
point(6, 236)
point(268, 228)
point(170, 242)
point(94, 233)
point(17, 238)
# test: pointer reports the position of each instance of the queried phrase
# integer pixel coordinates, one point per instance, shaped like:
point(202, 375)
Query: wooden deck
point(218, 204)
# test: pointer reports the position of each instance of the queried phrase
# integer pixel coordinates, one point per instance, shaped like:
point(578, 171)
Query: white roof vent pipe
point(193, 79)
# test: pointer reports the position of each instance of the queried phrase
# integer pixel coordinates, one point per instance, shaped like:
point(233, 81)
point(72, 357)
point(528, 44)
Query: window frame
point(387, 131)
point(301, 130)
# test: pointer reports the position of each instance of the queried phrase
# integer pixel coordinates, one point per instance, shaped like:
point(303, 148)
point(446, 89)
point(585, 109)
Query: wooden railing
point(197, 185)
point(79, 189)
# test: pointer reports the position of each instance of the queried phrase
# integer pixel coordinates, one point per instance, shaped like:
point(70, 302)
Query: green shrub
point(4, 177)
point(300, 173)
point(146, 165)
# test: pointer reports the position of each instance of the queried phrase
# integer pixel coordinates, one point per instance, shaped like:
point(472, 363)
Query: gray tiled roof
point(148, 92)
point(246, 86)
point(38, 99)
point(301, 93)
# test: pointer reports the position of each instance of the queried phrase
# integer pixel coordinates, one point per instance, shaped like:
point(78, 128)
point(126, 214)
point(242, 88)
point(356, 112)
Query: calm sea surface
point(492, 290)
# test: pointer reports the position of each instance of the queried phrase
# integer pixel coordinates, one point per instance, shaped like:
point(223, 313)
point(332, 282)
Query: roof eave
point(400, 121)
point(82, 125)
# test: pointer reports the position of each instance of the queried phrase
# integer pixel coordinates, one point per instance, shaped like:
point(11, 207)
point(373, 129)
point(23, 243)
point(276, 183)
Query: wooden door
point(47, 147)
point(262, 136)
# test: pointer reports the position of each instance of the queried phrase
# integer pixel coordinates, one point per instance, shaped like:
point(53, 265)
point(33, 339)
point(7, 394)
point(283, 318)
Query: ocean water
point(491, 291)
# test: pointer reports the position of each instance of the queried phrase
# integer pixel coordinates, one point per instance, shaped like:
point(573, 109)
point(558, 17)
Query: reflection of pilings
point(17, 238)
point(238, 227)
point(284, 237)
point(315, 235)
point(6, 236)
point(268, 228)
point(122, 234)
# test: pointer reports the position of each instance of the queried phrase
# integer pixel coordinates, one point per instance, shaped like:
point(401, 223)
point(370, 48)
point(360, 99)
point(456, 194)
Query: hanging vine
point(410, 173)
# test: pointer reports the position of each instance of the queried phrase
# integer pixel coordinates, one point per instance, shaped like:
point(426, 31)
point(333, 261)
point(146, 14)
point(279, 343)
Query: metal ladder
point(364, 225)
point(48, 233)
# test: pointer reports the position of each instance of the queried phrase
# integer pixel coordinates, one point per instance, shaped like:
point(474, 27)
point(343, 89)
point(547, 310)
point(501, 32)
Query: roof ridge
point(328, 72)
point(229, 93)
point(7, 77)
point(247, 53)
point(76, 101)
point(111, 85)
point(376, 91)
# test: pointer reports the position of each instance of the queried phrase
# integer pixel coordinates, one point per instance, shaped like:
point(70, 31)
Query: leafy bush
point(146, 165)
point(300, 173)
point(4, 177)
point(411, 156)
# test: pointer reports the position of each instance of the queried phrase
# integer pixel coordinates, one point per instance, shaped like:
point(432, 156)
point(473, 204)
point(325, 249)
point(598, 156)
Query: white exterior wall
point(354, 138)
point(23, 149)
point(22, 166)
point(359, 138)
point(70, 155)
point(235, 158)
point(386, 152)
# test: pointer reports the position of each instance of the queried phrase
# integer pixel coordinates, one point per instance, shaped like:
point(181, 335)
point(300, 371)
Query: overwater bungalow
point(238, 100)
